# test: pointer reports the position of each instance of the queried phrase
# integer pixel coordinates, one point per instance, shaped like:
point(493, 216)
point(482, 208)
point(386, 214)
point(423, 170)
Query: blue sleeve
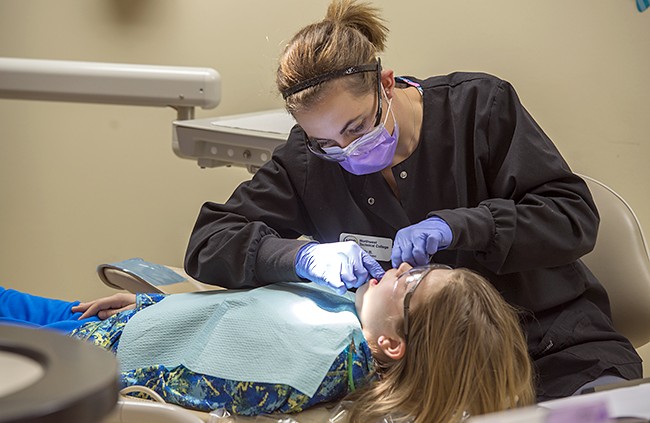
point(22, 309)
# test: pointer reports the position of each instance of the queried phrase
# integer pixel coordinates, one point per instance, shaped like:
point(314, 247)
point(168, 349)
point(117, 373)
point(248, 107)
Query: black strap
point(327, 76)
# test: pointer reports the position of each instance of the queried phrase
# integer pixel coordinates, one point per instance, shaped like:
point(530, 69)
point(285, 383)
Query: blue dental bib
point(287, 333)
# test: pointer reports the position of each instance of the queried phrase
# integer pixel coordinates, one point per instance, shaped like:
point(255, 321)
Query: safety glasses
point(413, 278)
point(338, 154)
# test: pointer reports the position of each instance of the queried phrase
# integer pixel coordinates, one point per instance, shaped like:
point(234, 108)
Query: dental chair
point(620, 260)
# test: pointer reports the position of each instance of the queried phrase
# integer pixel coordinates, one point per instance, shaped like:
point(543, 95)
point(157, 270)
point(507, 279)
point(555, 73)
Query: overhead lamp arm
point(181, 88)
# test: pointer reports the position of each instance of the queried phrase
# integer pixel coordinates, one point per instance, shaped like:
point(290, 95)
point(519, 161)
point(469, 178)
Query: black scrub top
point(518, 214)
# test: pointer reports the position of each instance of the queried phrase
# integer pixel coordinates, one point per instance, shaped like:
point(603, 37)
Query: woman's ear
point(388, 81)
point(392, 348)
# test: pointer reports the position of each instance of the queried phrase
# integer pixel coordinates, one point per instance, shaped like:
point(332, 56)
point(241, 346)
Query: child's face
point(377, 300)
point(380, 304)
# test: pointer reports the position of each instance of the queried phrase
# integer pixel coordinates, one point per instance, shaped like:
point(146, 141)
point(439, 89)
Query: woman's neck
point(408, 114)
point(407, 106)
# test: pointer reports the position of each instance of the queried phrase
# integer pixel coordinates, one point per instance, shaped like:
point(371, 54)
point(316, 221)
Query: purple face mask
point(374, 152)
point(379, 158)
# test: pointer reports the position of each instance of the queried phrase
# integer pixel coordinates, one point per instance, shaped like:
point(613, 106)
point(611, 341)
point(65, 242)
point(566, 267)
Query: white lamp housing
point(182, 88)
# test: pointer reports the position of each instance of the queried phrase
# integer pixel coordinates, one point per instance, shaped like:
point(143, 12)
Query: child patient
point(423, 344)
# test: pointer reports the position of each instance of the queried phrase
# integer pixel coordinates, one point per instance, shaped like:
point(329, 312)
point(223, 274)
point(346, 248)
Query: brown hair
point(351, 34)
point(466, 354)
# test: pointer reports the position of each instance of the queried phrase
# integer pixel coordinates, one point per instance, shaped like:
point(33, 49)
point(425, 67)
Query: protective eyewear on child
point(413, 277)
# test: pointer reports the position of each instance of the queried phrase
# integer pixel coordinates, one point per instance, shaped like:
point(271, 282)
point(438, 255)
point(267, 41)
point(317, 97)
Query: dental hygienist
point(385, 169)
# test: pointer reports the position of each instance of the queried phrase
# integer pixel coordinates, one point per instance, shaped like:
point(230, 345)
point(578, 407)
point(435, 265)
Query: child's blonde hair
point(466, 355)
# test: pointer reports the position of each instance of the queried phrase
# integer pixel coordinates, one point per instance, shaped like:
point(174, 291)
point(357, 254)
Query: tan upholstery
point(119, 279)
point(621, 262)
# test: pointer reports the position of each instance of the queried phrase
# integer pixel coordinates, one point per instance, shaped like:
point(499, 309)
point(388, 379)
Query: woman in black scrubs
point(450, 169)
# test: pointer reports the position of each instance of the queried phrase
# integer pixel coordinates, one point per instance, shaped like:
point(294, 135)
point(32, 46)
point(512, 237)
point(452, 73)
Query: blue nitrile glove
point(416, 243)
point(338, 265)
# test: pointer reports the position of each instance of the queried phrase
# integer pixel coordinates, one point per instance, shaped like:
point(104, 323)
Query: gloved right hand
point(416, 243)
point(337, 265)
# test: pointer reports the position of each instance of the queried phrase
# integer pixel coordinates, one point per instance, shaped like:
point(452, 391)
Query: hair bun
point(363, 17)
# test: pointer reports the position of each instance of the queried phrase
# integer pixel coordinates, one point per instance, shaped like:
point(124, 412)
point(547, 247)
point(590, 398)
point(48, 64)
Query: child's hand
point(107, 306)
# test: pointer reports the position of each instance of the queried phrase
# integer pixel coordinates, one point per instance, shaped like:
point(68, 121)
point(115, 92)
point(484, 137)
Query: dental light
point(240, 140)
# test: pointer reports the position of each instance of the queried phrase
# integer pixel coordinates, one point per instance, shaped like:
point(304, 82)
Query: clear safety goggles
point(413, 278)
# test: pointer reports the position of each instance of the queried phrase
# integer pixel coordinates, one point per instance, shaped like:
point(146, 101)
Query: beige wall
point(86, 184)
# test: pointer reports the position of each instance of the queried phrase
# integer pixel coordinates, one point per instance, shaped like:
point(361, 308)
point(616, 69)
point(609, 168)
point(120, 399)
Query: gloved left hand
point(337, 265)
point(416, 243)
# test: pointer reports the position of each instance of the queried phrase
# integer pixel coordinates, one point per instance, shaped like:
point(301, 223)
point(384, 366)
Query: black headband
point(327, 76)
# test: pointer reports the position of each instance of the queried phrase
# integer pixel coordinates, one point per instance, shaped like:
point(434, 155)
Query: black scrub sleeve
point(251, 240)
point(540, 213)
